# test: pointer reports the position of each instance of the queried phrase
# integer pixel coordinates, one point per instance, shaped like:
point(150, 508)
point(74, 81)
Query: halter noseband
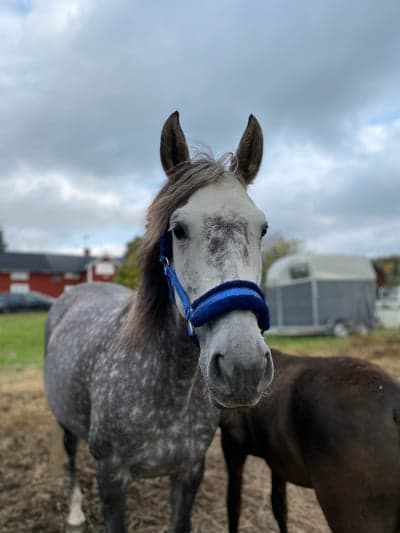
point(226, 297)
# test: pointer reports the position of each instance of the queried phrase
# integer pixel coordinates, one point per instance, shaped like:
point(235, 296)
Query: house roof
point(44, 263)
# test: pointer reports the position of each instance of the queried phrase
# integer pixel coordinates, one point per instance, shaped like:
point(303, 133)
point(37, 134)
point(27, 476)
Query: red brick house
point(52, 274)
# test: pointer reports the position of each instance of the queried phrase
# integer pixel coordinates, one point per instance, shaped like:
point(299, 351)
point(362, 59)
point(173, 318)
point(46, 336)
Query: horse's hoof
point(69, 528)
point(75, 522)
point(76, 519)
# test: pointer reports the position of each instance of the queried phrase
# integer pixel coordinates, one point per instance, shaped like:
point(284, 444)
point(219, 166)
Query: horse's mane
point(152, 296)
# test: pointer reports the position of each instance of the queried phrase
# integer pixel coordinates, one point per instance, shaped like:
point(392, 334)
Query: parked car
point(14, 302)
point(389, 298)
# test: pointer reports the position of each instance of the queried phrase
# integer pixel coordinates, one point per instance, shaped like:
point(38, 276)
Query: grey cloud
point(369, 184)
point(89, 102)
point(53, 211)
point(372, 192)
point(94, 98)
point(343, 202)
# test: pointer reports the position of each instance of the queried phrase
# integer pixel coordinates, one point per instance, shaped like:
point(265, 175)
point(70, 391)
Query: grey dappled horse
point(121, 372)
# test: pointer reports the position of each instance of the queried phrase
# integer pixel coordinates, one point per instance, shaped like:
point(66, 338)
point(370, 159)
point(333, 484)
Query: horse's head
point(216, 238)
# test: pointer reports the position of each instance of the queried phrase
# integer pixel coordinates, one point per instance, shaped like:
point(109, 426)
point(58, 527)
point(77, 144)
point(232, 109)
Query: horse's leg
point(183, 491)
point(75, 518)
point(234, 459)
point(278, 501)
point(112, 490)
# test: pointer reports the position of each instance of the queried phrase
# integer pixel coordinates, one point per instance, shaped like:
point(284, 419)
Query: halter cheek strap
point(226, 297)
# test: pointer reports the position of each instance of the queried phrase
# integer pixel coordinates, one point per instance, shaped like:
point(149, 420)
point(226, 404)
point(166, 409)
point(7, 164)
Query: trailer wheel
point(340, 329)
point(361, 329)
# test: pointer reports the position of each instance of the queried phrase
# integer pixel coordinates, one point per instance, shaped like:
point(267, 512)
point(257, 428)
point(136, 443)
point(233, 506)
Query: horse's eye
point(179, 231)
point(264, 229)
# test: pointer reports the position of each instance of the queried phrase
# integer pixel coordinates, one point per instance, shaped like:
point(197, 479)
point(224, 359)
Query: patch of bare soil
point(34, 489)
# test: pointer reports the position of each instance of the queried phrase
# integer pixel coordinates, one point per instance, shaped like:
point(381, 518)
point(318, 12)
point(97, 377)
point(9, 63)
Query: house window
point(19, 276)
point(68, 287)
point(105, 268)
point(71, 275)
point(19, 287)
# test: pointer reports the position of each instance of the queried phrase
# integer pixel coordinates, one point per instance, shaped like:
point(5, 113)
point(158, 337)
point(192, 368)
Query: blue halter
point(229, 296)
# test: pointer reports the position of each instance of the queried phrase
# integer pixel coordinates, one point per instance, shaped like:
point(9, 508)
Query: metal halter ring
point(190, 328)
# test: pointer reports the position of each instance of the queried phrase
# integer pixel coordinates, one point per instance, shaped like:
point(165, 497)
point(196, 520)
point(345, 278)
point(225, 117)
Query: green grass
point(326, 344)
point(314, 344)
point(21, 340)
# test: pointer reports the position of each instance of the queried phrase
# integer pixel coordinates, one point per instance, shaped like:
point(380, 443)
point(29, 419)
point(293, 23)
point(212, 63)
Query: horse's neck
point(174, 357)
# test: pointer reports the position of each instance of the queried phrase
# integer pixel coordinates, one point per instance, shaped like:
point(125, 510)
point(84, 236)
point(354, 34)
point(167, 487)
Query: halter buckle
point(190, 328)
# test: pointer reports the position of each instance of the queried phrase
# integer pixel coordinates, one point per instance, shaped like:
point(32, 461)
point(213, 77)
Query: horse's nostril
point(215, 366)
point(241, 376)
point(269, 368)
point(218, 374)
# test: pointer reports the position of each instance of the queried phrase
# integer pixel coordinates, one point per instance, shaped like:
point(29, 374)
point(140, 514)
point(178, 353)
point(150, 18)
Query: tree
point(277, 246)
point(390, 269)
point(3, 244)
point(129, 272)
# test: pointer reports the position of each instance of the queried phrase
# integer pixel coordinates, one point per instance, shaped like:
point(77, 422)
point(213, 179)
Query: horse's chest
point(170, 447)
point(153, 431)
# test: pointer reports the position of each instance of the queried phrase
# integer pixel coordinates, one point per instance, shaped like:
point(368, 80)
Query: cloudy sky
point(86, 85)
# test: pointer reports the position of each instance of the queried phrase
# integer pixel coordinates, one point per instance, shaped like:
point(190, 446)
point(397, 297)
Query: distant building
point(52, 274)
point(321, 293)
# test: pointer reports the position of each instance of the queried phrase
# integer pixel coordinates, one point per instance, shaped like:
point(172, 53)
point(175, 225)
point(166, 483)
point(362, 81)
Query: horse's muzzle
point(239, 381)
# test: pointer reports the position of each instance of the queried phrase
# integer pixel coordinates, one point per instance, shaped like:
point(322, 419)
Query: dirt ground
point(34, 491)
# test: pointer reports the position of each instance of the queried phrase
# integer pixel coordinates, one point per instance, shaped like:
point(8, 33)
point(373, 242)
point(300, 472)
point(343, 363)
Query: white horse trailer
point(321, 294)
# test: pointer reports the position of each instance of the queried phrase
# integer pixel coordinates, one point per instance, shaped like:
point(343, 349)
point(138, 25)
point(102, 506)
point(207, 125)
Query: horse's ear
point(250, 151)
point(173, 147)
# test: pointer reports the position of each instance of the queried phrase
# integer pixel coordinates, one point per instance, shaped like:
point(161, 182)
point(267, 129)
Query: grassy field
point(22, 336)
point(21, 340)
point(325, 345)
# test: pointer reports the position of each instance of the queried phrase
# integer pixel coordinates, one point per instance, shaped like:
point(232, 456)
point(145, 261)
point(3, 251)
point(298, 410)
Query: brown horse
point(331, 424)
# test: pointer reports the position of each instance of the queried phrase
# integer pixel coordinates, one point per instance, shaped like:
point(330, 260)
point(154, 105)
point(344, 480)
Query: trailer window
point(299, 271)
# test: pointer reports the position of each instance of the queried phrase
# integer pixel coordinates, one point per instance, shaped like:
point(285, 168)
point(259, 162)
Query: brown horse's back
point(345, 414)
point(331, 424)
